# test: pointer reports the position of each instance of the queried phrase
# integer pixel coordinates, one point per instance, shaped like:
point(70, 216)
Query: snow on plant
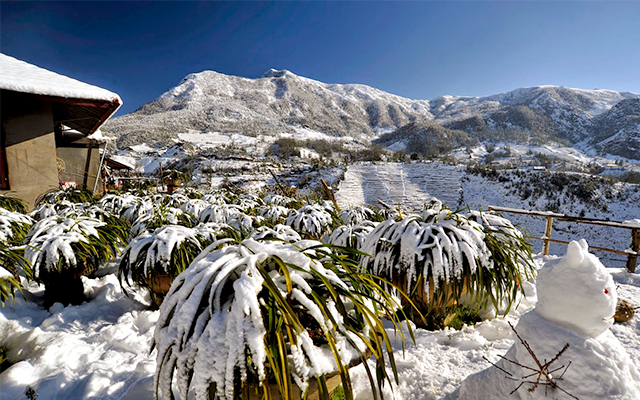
point(166, 252)
point(219, 213)
point(274, 213)
point(46, 210)
point(116, 203)
point(279, 200)
point(194, 207)
point(268, 312)
point(61, 250)
point(137, 209)
point(12, 262)
point(278, 232)
point(78, 244)
point(351, 235)
point(249, 202)
point(14, 204)
point(439, 260)
point(159, 216)
point(71, 194)
point(311, 219)
point(8, 283)
point(354, 216)
point(14, 226)
point(218, 198)
point(175, 199)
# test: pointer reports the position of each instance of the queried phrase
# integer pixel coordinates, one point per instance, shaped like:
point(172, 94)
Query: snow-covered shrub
point(160, 216)
point(274, 213)
point(218, 198)
point(12, 262)
point(71, 194)
point(510, 252)
point(13, 204)
point(116, 203)
point(219, 213)
point(153, 260)
point(278, 232)
point(61, 250)
point(248, 203)
point(175, 199)
point(137, 209)
point(311, 219)
point(232, 215)
point(279, 200)
point(350, 235)
point(354, 216)
point(13, 226)
point(46, 210)
point(438, 261)
point(268, 313)
point(194, 207)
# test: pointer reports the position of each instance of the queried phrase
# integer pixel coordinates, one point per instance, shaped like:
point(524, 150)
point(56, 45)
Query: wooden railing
point(631, 253)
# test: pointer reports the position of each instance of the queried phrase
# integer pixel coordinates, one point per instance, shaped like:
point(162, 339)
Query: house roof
point(76, 104)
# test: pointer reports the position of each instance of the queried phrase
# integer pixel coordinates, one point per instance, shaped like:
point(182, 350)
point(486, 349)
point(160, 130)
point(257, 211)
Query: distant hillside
point(282, 102)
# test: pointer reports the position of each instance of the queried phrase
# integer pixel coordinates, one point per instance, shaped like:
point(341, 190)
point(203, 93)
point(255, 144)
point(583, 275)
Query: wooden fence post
point(632, 259)
point(547, 235)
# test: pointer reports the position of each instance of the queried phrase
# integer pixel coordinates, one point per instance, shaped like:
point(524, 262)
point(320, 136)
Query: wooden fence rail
point(631, 253)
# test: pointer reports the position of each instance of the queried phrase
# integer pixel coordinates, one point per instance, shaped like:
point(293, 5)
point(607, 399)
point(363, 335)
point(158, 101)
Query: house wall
point(75, 160)
point(27, 127)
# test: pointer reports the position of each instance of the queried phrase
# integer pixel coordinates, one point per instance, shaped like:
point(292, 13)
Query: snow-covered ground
point(100, 349)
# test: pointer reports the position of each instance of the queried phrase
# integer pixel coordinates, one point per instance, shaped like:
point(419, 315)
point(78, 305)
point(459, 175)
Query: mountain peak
point(274, 73)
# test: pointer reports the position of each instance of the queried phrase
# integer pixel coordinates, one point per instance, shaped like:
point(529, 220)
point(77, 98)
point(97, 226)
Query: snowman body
point(576, 304)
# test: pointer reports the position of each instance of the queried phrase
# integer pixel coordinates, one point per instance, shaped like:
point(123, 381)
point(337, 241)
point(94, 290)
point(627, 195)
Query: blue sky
point(416, 49)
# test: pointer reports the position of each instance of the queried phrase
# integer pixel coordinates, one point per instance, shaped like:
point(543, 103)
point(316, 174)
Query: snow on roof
point(23, 77)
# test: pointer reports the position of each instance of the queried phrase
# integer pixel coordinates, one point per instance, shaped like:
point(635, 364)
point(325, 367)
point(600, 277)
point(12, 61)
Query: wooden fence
point(631, 253)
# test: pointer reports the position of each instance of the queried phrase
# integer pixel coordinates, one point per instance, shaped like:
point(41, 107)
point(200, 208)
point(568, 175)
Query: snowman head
point(577, 292)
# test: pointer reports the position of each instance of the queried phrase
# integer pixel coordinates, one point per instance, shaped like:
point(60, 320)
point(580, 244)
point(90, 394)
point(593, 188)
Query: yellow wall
point(30, 147)
point(75, 164)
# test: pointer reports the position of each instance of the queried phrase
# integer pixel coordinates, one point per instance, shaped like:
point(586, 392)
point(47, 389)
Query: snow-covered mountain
point(282, 102)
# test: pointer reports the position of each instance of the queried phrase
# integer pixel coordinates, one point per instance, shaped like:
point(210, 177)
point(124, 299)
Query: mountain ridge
point(283, 102)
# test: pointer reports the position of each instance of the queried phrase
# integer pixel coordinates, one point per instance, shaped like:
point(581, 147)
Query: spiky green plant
point(440, 260)
point(12, 265)
point(160, 216)
point(14, 226)
point(153, 260)
point(61, 250)
point(71, 194)
point(13, 204)
point(256, 315)
point(311, 220)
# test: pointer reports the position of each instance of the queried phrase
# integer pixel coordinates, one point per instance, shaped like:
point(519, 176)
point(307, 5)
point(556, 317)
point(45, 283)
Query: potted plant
point(270, 319)
point(174, 179)
point(153, 260)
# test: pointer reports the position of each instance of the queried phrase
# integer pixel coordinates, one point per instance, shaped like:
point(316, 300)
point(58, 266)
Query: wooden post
point(632, 259)
point(547, 235)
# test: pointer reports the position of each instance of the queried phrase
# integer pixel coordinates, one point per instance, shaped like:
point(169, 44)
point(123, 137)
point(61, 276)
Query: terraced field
point(407, 184)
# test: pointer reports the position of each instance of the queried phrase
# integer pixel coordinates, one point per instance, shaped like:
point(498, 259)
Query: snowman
point(576, 303)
